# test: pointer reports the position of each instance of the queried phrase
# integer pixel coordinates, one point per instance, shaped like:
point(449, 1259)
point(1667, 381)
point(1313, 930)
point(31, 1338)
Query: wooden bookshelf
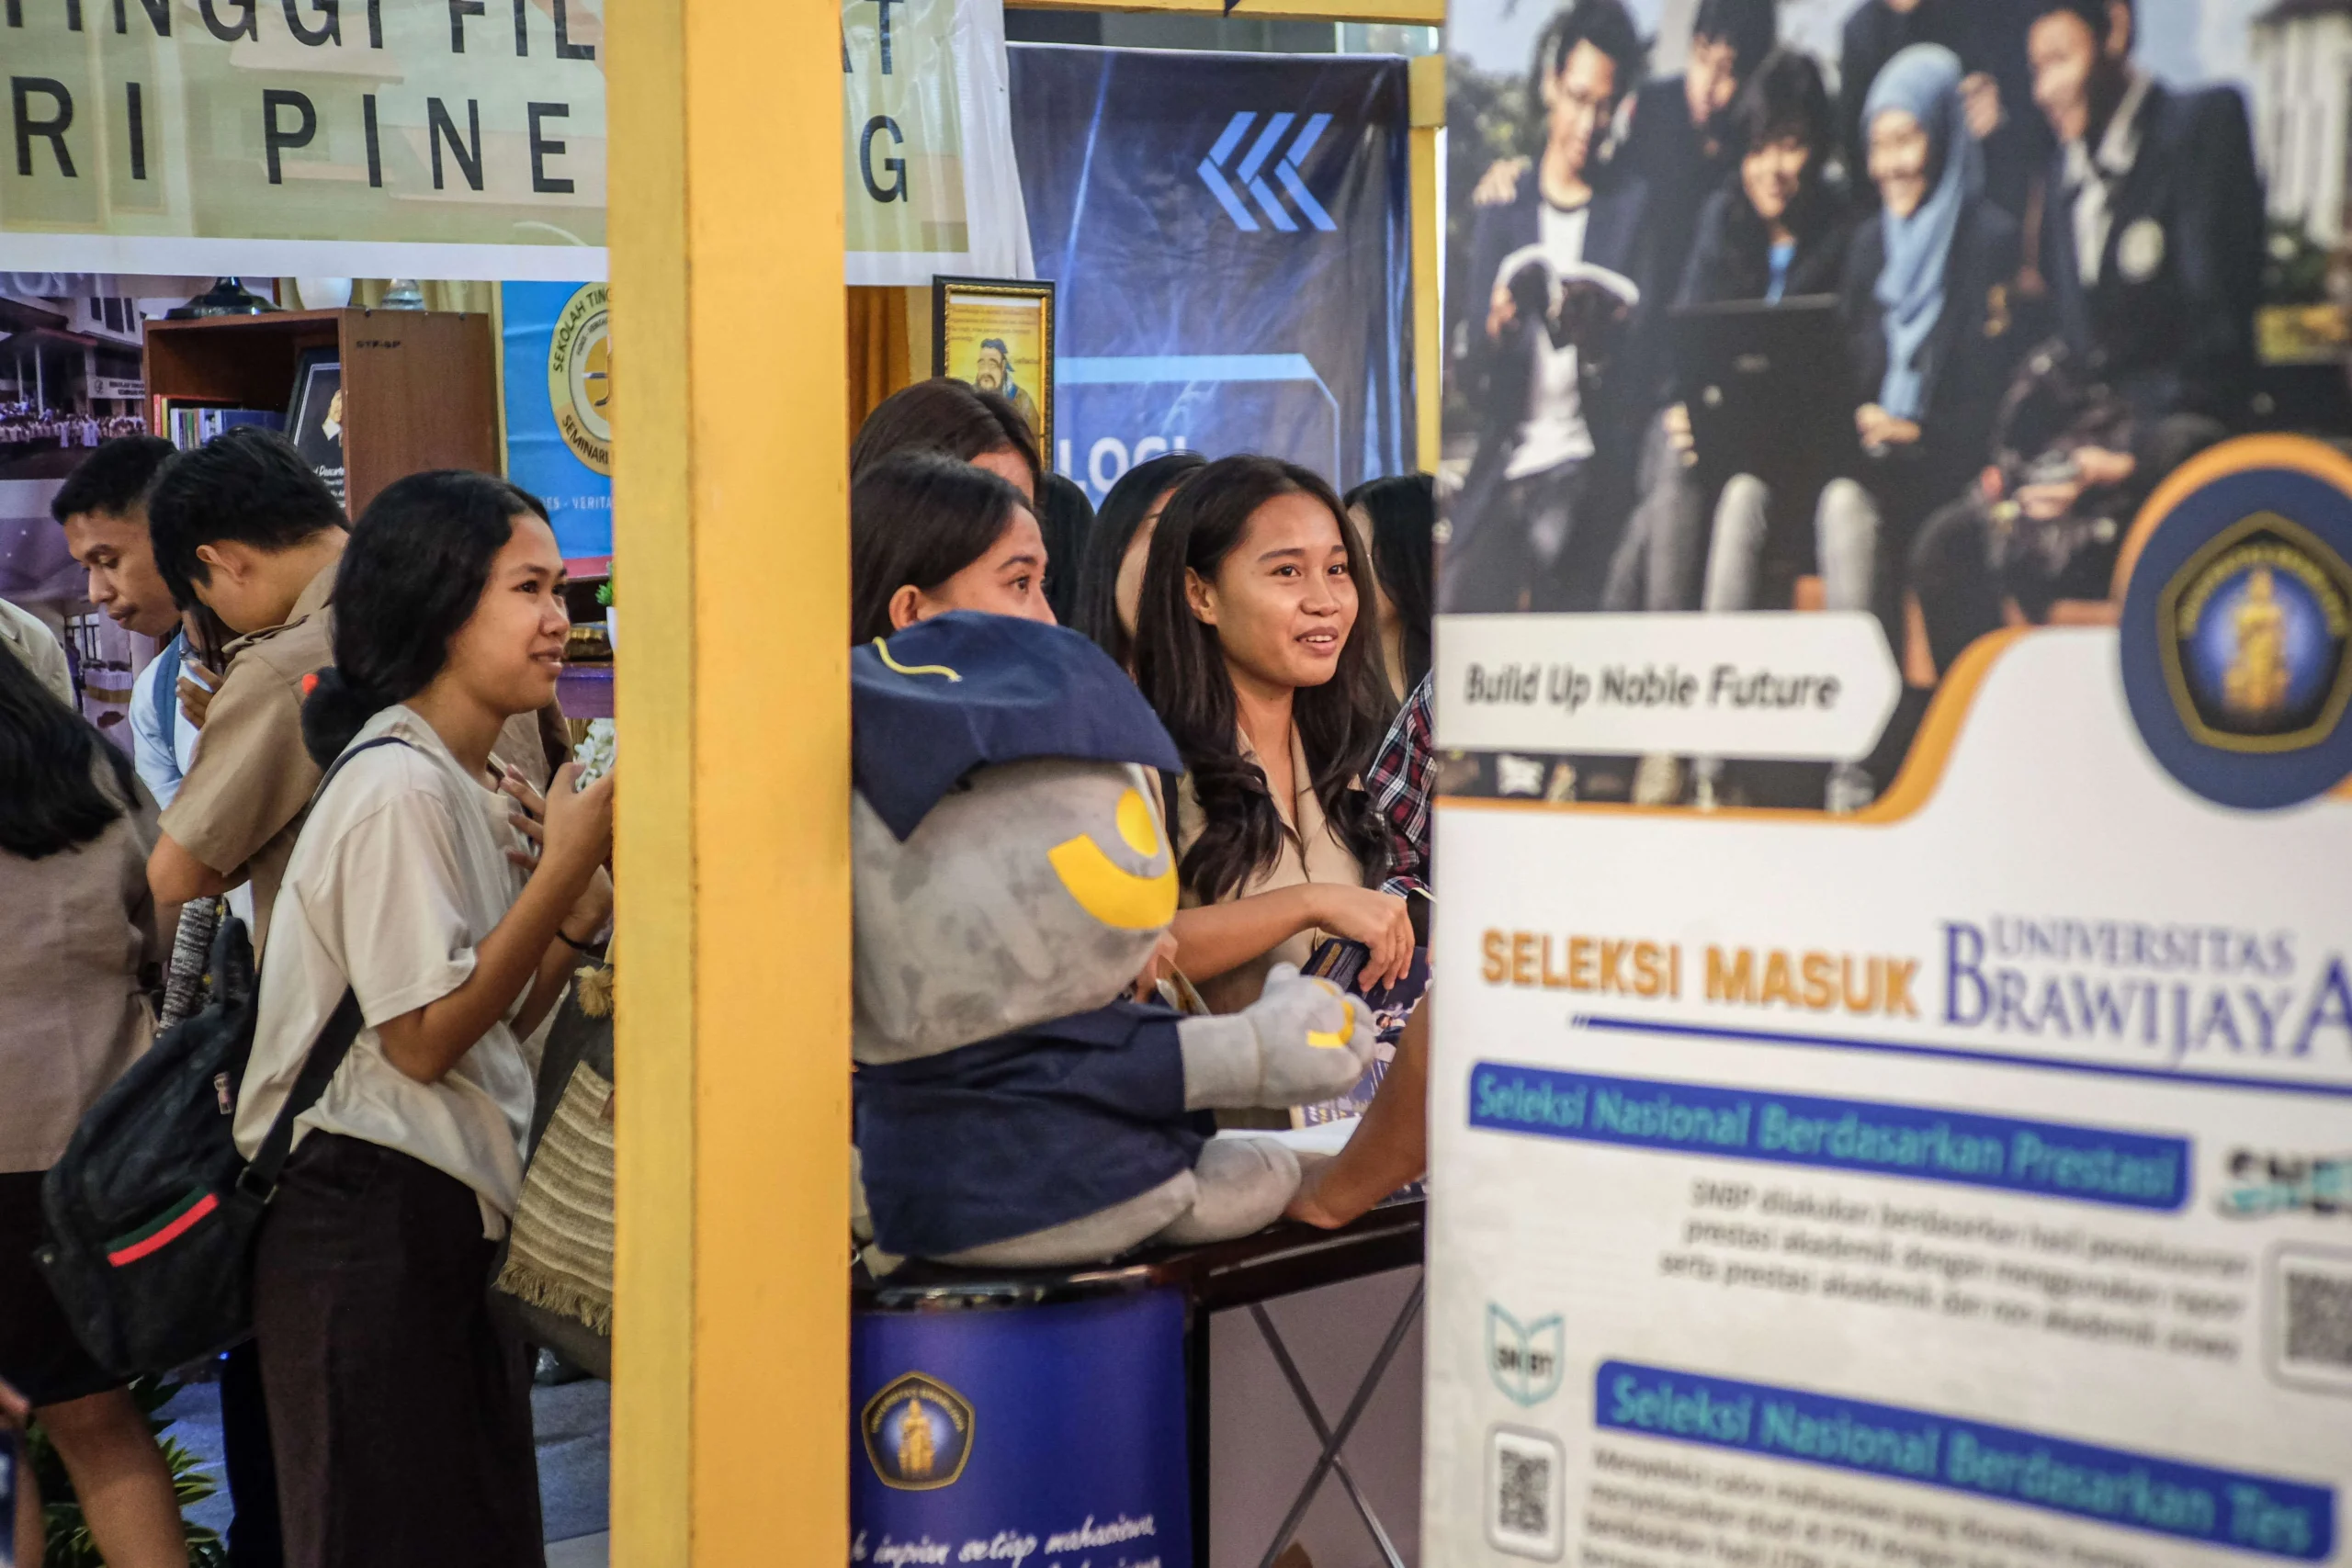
point(420, 388)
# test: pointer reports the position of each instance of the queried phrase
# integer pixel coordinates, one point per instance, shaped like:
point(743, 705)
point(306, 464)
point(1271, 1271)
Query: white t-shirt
point(398, 874)
point(1554, 431)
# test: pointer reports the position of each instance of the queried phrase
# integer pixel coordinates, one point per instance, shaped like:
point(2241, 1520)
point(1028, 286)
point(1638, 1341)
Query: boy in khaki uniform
point(245, 527)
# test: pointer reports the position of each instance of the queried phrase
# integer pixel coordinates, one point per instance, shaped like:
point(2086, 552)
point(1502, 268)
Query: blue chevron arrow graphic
point(1212, 177)
point(1251, 171)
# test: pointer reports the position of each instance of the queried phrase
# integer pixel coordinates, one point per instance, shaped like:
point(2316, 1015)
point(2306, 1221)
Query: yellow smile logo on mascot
point(1121, 899)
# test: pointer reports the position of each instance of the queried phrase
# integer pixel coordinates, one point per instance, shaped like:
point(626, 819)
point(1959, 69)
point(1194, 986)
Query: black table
point(1245, 1273)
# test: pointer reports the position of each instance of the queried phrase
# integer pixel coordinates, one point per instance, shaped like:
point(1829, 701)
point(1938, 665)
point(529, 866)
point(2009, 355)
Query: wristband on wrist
point(589, 949)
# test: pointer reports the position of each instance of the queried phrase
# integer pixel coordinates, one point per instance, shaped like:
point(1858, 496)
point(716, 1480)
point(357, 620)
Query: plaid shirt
point(1403, 778)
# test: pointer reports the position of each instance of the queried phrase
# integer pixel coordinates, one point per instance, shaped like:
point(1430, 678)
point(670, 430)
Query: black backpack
point(151, 1211)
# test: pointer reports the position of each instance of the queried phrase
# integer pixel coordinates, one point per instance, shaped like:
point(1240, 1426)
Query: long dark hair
point(948, 416)
point(1179, 664)
point(412, 574)
point(1066, 517)
point(1403, 510)
point(1122, 512)
point(919, 518)
point(49, 795)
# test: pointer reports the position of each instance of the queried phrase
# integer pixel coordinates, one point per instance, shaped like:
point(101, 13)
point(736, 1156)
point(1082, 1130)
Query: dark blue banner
point(1047, 1437)
point(2047, 1159)
point(1230, 233)
point(2262, 1514)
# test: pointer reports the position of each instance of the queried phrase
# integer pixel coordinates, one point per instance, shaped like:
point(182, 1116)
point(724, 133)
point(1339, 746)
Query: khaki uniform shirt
point(1311, 851)
point(241, 806)
point(27, 636)
point(76, 1012)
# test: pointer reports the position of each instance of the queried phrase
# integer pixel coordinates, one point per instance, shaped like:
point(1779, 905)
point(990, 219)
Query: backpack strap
point(165, 693)
point(258, 1181)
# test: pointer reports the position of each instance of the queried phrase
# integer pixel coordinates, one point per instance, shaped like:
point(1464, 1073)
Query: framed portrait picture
point(315, 420)
point(998, 334)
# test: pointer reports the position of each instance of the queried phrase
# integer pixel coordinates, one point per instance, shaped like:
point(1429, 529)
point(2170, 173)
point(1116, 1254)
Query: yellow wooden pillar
point(731, 1435)
point(1427, 120)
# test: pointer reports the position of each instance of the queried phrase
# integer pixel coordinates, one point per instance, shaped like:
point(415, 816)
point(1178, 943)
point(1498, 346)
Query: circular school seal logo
point(917, 1433)
point(580, 377)
point(2140, 252)
point(2237, 624)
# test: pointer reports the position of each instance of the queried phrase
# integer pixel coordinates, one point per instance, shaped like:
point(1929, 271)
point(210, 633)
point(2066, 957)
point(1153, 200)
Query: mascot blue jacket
point(1014, 878)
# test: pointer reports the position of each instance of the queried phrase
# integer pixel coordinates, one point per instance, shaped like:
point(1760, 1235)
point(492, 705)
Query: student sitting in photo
point(1110, 589)
point(930, 533)
point(2152, 246)
point(1560, 416)
point(1776, 229)
point(1252, 650)
point(400, 1406)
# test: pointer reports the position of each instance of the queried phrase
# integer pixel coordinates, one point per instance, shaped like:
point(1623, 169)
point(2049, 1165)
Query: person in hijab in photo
point(1931, 315)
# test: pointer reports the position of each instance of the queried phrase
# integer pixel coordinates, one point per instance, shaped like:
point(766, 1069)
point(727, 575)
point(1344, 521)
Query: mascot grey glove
point(1300, 1041)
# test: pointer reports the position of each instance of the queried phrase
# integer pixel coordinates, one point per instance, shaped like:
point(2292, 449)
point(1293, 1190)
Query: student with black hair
point(1776, 228)
point(930, 533)
point(1252, 648)
point(102, 506)
point(1395, 520)
point(400, 1408)
point(2152, 247)
point(74, 831)
point(242, 527)
point(956, 420)
point(1110, 589)
point(1554, 372)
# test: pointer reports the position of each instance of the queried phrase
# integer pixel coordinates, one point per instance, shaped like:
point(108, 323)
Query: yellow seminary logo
point(917, 1433)
point(580, 377)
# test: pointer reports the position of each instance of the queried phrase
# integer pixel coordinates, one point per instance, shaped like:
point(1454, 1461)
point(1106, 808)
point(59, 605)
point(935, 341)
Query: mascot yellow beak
point(1120, 899)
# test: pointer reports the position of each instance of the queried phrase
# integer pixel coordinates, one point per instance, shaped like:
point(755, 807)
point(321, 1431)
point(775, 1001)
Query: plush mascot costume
point(1014, 876)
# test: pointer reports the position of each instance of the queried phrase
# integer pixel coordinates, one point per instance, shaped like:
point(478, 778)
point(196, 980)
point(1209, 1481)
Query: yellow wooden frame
point(731, 1369)
point(729, 1404)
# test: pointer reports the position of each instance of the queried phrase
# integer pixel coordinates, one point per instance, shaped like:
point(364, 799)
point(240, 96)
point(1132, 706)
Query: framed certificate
point(998, 334)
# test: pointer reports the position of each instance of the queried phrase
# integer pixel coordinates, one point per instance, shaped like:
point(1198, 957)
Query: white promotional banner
point(1891, 1101)
point(1817, 687)
point(927, 170)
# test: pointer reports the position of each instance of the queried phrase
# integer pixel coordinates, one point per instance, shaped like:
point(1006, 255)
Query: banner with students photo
point(1228, 234)
point(1891, 1095)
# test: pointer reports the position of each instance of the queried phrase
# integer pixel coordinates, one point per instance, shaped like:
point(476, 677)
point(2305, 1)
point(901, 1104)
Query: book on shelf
point(187, 425)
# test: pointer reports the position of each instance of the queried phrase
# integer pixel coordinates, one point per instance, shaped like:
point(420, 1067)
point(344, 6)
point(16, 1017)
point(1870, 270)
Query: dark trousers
point(254, 1538)
point(400, 1409)
point(1513, 555)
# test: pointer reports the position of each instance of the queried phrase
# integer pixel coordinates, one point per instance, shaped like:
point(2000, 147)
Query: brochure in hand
point(1342, 962)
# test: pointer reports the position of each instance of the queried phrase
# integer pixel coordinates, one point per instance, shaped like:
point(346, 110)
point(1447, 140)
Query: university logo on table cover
point(917, 1433)
point(2237, 626)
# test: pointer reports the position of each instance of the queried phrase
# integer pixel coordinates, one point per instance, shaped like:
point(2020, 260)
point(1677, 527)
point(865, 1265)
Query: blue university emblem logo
point(2236, 635)
point(2254, 630)
point(1525, 1359)
point(917, 1433)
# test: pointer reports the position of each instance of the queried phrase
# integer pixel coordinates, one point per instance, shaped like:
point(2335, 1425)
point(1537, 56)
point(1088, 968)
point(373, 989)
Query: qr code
point(1523, 1492)
point(2311, 1314)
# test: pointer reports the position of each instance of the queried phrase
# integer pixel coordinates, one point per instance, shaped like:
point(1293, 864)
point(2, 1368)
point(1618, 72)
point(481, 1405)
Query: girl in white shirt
point(400, 1410)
